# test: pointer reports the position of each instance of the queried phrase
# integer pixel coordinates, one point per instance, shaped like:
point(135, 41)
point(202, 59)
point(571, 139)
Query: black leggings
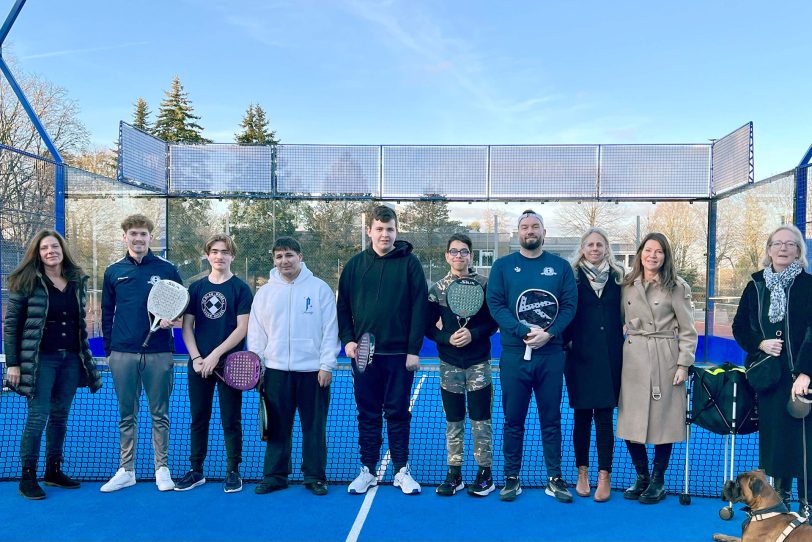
point(662, 453)
point(604, 436)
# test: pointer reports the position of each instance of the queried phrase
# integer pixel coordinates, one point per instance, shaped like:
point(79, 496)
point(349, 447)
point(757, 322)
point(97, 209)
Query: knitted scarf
point(777, 283)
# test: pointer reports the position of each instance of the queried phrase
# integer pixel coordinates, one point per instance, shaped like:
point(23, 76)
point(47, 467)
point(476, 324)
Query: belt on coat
point(656, 393)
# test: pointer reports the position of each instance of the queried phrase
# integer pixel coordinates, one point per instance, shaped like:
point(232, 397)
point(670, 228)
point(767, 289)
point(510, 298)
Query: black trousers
point(543, 376)
point(285, 393)
point(639, 454)
point(604, 436)
point(385, 387)
point(201, 395)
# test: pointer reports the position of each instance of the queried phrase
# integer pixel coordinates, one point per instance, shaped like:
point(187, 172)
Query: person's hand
point(325, 377)
point(800, 386)
point(537, 338)
point(208, 365)
point(197, 364)
point(412, 362)
point(460, 338)
point(681, 376)
point(166, 324)
point(772, 347)
point(13, 376)
point(350, 349)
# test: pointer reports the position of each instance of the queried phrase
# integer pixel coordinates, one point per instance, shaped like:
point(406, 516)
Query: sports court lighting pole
point(59, 177)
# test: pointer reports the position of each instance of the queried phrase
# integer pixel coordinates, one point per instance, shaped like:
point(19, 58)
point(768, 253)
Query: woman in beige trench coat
point(659, 348)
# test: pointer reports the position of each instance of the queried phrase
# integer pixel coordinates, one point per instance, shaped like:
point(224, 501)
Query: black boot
point(655, 492)
point(55, 477)
point(783, 486)
point(633, 493)
point(29, 488)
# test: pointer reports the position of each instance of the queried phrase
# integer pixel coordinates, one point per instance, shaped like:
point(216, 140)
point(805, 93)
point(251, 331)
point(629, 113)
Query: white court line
point(358, 524)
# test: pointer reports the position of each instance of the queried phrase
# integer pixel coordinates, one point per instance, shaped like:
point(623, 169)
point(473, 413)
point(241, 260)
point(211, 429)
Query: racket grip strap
point(528, 353)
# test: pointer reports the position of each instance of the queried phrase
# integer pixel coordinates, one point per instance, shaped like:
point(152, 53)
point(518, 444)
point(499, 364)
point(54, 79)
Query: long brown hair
point(668, 271)
point(24, 279)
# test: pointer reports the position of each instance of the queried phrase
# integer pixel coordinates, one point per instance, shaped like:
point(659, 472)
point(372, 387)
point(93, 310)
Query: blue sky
point(443, 72)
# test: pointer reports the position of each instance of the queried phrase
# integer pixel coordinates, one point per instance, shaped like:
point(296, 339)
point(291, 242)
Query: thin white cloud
point(68, 52)
point(440, 53)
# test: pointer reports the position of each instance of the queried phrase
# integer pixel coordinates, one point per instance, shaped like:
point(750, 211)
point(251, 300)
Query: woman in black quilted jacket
point(47, 353)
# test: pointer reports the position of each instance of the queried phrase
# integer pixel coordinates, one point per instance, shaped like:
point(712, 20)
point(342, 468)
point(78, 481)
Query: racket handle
point(146, 341)
point(528, 353)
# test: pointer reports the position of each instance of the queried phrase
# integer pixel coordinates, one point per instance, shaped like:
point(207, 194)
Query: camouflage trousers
point(476, 382)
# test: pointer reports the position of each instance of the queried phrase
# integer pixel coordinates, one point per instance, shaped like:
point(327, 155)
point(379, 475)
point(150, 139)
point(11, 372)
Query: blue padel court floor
point(142, 513)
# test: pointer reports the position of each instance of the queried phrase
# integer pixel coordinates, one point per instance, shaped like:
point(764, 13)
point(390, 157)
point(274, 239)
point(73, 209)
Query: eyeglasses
point(789, 244)
point(464, 252)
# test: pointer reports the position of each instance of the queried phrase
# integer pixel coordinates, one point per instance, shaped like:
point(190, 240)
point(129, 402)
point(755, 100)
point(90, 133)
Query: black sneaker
point(190, 480)
point(233, 482)
point(511, 490)
point(483, 485)
point(268, 487)
point(452, 483)
point(318, 487)
point(557, 487)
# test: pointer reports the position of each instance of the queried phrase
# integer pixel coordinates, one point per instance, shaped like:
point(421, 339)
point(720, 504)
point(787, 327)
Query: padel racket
point(241, 370)
point(167, 300)
point(364, 352)
point(263, 418)
point(465, 297)
point(536, 308)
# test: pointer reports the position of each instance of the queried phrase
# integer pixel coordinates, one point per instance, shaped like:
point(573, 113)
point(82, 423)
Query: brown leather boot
point(582, 488)
point(604, 489)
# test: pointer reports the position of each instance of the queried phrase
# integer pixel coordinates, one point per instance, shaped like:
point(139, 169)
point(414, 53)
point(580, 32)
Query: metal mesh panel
point(544, 171)
point(655, 171)
point(328, 169)
point(142, 158)
point(220, 169)
point(733, 159)
point(450, 171)
point(83, 184)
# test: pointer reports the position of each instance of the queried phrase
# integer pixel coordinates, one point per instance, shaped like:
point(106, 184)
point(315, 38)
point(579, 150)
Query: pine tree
point(255, 129)
point(141, 115)
point(176, 118)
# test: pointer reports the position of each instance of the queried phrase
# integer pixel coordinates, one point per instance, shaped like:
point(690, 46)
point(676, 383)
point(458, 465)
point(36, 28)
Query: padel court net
point(92, 444)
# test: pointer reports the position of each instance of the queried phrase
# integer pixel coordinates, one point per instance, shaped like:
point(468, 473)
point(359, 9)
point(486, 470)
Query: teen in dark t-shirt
point(215, 325)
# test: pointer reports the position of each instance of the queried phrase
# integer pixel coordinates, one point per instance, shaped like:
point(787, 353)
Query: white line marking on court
point(361, 518)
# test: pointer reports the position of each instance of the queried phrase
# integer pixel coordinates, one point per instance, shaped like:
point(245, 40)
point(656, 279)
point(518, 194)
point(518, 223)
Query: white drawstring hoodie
point(293, 325)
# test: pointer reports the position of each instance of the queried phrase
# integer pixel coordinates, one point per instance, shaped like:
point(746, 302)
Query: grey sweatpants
point(155, 372)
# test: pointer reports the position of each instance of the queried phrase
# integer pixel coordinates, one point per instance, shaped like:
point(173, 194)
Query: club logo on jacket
point(154, 279)
point(308, 309)
point(213, 305)
point(549, 272)
point(517, 269)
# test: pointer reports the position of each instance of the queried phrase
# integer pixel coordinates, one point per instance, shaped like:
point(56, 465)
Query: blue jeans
point(57, 379)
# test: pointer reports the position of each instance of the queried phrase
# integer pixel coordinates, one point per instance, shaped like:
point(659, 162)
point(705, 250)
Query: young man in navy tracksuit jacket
point(511, 275)
point(383, 291)
point(125, 325)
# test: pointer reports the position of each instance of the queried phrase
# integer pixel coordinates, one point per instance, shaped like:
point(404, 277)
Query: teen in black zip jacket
point(383, 291)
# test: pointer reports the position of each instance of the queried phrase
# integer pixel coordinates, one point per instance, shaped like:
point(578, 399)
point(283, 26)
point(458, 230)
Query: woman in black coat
point(47, 353)
point(773, 322)
point(595, 356)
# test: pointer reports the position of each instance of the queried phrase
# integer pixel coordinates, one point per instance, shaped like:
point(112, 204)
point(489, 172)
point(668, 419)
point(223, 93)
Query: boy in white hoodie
point(294, 331)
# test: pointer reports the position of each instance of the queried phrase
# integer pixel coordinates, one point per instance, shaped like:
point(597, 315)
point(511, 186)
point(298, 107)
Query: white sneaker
point(163, 479)
point(407, 484)
point(123, 478)
point(362, 482)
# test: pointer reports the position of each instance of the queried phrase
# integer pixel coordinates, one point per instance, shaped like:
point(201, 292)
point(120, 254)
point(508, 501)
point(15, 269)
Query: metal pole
point(495, 237)
point(710, 275)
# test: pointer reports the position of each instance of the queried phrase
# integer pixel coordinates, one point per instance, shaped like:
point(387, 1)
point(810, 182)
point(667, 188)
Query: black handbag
point(763, 371)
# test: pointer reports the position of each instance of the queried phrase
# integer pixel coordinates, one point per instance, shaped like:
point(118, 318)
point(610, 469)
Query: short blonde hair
point(799, 238)
point(221, 238)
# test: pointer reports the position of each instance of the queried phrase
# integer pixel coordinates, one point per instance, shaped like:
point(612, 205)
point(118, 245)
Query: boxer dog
point(768, 519)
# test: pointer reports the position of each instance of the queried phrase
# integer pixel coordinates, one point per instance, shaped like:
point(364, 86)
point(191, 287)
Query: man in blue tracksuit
point(511, 275)
point(125, 325)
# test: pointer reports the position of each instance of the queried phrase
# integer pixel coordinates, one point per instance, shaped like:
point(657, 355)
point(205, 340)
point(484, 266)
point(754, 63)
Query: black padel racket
point(536, 308)
point(167, 300)
point(465, 297)
point(241, 370)
point(364, 352)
